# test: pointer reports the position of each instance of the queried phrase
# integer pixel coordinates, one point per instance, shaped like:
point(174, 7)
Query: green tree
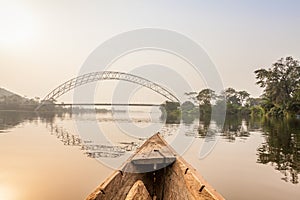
point(281, 85)
point(204, 98)
point(243, 96)
point(236, 101)
point(253, 102)
point(171, 111)
point(232, 101)
point(231, 96)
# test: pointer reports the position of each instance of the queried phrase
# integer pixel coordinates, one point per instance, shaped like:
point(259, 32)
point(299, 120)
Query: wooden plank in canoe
point(154, 151)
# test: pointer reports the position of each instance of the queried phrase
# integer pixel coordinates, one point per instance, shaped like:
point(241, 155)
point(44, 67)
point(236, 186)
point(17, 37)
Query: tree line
point(280, 97)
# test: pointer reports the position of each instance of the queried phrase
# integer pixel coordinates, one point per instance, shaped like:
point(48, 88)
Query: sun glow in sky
point(6, 193)
point(16, 24)
point(44, 43)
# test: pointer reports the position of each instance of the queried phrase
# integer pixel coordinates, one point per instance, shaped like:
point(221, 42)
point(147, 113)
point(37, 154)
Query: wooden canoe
point(155, 171)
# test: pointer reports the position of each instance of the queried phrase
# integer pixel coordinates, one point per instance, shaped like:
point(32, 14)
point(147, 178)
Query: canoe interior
point(174, 179)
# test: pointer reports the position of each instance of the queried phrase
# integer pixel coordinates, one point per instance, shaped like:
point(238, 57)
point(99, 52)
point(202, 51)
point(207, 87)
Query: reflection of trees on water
point(90, 149)
point(282, 147)
point(10, 119)
point(235, 127)
point(203, 128)
point(47, 117)
point(232, 128)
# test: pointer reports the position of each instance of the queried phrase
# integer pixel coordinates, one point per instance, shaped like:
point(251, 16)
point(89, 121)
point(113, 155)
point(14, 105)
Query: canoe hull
point(175, 180)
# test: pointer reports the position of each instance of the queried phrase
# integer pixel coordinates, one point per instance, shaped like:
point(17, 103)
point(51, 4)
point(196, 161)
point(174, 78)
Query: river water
point(50, 156)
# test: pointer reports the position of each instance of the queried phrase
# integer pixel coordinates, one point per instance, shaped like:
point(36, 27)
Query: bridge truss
point(106, 75)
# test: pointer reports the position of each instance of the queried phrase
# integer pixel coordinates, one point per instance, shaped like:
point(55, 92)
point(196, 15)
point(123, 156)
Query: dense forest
point(280, 98)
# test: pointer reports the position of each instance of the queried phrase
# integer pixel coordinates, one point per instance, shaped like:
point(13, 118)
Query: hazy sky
point(44, 43)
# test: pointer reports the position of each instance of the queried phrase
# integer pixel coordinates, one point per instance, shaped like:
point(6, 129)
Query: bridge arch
point(106, 75)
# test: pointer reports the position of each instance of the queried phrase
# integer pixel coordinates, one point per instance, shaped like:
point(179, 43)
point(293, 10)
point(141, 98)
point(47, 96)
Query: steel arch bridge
point(106, 75)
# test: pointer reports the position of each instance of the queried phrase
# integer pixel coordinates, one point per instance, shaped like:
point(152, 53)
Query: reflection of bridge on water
point(90, 149)
point(95, 150)
point(102, 150)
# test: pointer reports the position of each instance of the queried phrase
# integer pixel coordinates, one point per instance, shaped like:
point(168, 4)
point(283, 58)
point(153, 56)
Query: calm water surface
point(46, 157)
